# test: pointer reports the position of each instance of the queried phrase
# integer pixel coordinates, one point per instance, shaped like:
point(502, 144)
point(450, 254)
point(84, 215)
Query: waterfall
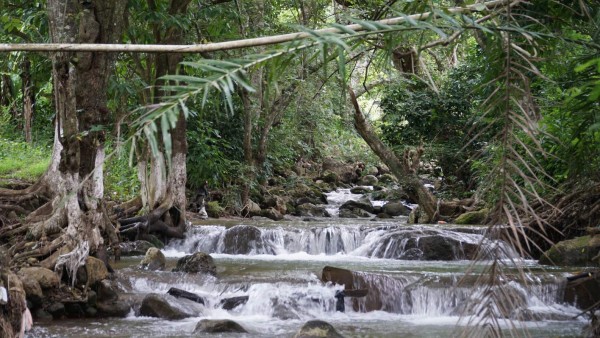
point(367, 240)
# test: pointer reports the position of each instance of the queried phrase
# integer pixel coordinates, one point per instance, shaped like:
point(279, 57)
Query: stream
point(278, 266)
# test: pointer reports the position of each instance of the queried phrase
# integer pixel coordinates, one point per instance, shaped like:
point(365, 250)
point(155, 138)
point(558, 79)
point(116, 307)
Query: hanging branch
point(237, 44)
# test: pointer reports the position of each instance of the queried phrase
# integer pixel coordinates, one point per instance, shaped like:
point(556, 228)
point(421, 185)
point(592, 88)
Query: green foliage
point(413, 114)
point(211, 156)
point(23, 161)
point(120, 179)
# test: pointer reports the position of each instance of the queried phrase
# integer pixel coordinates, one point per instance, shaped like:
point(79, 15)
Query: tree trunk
point(73, 181)
point(163, 188)
point(28, 97)
point(404, 169)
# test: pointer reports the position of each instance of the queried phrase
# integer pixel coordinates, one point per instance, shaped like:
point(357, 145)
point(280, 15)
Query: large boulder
point(317, 329)
point(368, 180)
point(311, 210)
point(242, 240)
point(396, 209)
point(46, 278)
point(199, 262)
point(33, 291)
point(415, 245)
point(154, 260)
point(362, 205)
point(113, 308)
point(155, 305)
point(579, 251)
point(353, 213)
point(388, 179)
point(218, 326)
point(252, 208)
point(96, 270)
point(472, 217)
point(277, 202)
point(272, 213)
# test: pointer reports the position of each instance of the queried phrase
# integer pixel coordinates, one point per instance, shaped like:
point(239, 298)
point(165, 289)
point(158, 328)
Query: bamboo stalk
point(226, 45)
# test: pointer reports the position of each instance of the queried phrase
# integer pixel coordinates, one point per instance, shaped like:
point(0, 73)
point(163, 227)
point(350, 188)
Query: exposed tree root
point(164, 221)
point(567, 217)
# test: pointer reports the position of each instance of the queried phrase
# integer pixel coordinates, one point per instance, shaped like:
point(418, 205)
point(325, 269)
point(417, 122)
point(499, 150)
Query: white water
point(280, 275)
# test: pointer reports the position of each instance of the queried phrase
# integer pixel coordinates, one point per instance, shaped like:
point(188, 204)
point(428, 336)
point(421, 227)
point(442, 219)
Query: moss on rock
point(577, 251)
point(472, 217)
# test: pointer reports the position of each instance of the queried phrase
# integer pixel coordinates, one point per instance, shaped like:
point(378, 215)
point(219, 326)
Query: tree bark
point(163, 188)
point(28, 97)
point(74, 176)
point(404, 169)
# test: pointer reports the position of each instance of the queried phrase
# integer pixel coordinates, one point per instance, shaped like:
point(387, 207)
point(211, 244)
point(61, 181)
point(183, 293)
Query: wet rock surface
point(153, 260)
point(218, 326)
point(199, 262)
point(317, 329)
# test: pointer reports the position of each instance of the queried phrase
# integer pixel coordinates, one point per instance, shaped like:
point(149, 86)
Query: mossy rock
point(573, 252)
point(214, 210)
point(330, 177)
point(472, 217)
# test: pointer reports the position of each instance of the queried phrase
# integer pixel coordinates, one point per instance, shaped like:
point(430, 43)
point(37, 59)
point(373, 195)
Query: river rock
point(360, 190)
point(179, 293)
point(46, 278)
point(330, 177)
point(33, 291)
point(56, 309)
point(242, 240)
point(368, 180)
point(317, 329)
point(387, 179)
point(74, 310)
point(577, 251)
point(583, 292)
point(252, 208)
point(418, 216)
point(362, 205)
point(472, 217)
point(96, 270)
point(347, 213)
point(135, 248)
point(277, 202)
point(218, 326)
point(106, 290)
point(155, 305)
point(154, 260)
point(396, 209)
point(41, 314)
point(199, 262)
point(419, 246)
point(233, 302)
point(311, 210)
point(113, 308)
point(338, 276)
point(272, 213)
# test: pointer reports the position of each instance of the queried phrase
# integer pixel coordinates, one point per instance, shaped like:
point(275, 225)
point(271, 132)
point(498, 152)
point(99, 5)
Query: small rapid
point(414, 276)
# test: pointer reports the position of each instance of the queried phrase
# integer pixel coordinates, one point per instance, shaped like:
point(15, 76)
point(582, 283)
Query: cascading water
point(414, 277)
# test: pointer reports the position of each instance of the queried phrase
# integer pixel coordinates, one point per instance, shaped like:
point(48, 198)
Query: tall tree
point(73, 215)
